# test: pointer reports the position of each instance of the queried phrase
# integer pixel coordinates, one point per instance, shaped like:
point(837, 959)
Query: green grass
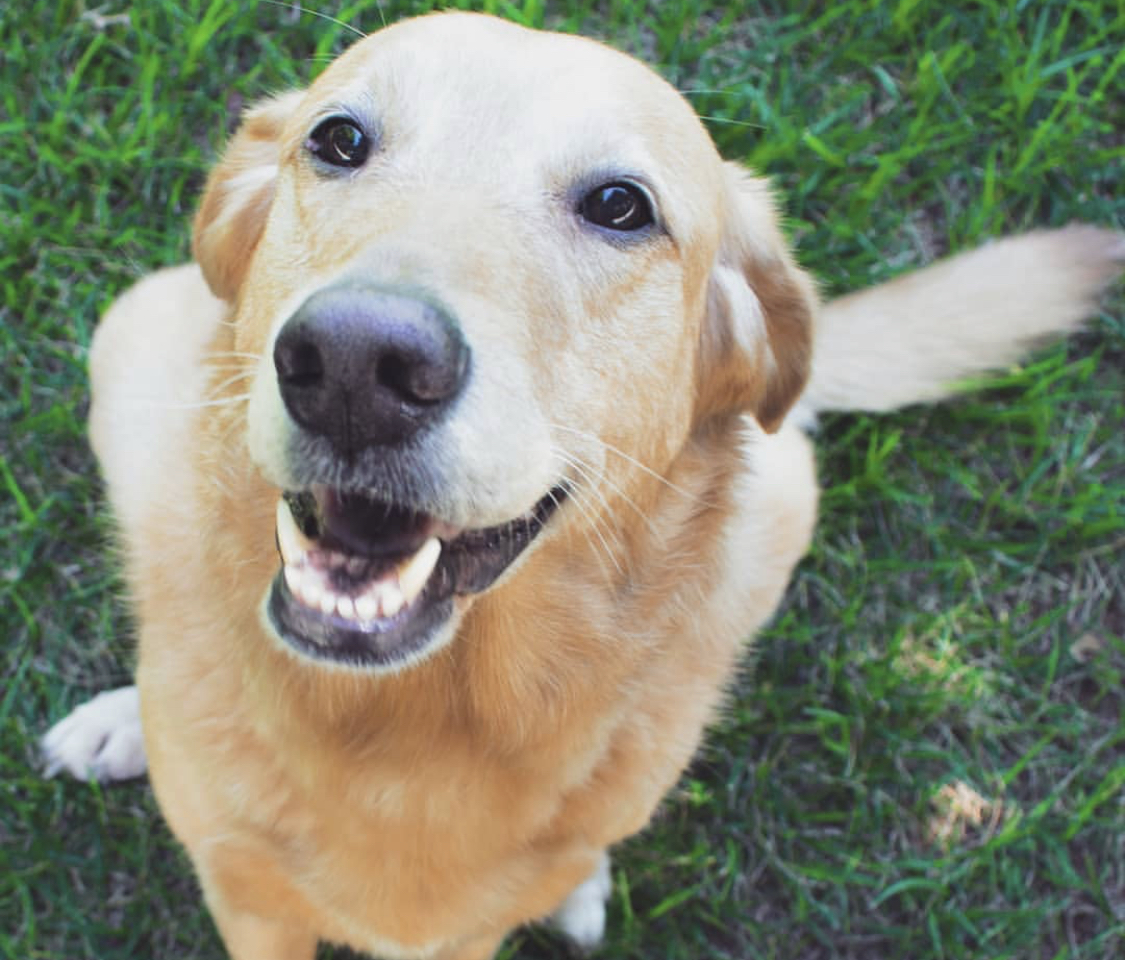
point(928, 640)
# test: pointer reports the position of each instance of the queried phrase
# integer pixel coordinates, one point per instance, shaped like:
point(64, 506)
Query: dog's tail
point(912, 339)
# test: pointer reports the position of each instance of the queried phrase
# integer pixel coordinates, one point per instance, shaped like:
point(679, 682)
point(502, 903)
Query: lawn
point(926, 758)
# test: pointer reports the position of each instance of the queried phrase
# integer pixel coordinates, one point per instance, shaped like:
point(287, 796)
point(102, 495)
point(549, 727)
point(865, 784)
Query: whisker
point(577, 494)
point(594, 481)
point(635, 462)
point(733, 123)
point(587, 474)
point(325, 16)
point(222, 402)
point(725, 91)
point(241, 375)
point(687, 494)
point(238, 366)
point(587, 469)
point(605, 551)
point(237, 354)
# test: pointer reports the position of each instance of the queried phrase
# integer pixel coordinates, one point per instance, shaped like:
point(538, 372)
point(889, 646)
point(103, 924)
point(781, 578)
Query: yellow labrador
point(455, 474)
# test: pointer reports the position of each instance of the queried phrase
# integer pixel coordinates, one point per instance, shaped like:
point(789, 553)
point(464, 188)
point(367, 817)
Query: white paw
point(100, 739)
point(582, 914)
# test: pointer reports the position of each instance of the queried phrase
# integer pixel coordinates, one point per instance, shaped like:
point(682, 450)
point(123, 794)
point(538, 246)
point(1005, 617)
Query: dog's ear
point(238, 195)
point(761, 307)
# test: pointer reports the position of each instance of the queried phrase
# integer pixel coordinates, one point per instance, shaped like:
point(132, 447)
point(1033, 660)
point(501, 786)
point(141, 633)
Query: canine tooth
point(293, 578)
point(345, 607)
point(391, 600)
point(292, 543)
point(414, 573)
point(367, 606)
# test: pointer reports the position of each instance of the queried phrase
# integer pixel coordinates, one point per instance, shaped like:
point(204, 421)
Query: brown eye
point(619, 205)
point(340, 142)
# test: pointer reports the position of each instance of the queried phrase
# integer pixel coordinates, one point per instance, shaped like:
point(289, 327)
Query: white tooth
point(337, 560)
point(345, 607)
point(413, 574)
point(293, 578)
point(367, 606)
point(391, 600)
point(311, 591)
point(328, 602)
point(293, 544)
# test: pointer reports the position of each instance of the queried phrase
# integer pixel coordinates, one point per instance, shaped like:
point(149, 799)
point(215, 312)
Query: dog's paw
point(100, 739)
point(581, 917)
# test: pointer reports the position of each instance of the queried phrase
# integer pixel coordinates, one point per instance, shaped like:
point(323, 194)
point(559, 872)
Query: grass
point(925, 759)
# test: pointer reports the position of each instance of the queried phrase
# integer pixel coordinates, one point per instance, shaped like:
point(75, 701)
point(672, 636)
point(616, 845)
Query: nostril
point(419, 378)
point(397, 372)
point(299, 363)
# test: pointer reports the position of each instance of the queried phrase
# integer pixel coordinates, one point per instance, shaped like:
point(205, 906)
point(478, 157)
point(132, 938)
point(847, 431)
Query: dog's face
point(488, 272)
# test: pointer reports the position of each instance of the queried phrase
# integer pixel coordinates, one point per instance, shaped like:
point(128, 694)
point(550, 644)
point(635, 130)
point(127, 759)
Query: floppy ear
point(238, 195)
point(761, 309)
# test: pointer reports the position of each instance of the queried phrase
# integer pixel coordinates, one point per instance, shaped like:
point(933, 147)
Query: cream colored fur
point(911, 340)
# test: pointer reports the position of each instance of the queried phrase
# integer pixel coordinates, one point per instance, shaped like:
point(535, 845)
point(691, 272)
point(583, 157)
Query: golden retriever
point(511, 368)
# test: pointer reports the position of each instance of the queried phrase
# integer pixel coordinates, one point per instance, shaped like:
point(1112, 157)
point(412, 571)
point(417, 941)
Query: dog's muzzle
point(369, 578)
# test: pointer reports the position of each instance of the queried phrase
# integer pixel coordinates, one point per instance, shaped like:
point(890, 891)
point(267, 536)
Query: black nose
point(364, 366)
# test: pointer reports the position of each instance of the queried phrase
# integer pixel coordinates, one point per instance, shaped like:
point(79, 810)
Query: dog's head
point(492, 276)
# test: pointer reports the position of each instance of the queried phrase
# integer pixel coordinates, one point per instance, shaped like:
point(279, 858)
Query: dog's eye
point(340, 142)
point(619, 205)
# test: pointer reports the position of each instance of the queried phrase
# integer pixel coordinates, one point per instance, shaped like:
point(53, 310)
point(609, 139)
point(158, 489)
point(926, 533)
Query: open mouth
point(370, 584)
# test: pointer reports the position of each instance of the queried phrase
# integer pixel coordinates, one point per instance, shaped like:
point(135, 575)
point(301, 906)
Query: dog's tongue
point(356, 524)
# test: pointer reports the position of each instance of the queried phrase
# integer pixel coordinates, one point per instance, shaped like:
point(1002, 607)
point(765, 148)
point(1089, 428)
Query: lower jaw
point(385, 646)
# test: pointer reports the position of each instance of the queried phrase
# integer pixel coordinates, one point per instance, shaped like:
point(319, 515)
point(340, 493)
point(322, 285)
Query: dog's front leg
point(250, 937)
point(259, 913)
point(581, 916)
point(483, 948)
point(99, 739)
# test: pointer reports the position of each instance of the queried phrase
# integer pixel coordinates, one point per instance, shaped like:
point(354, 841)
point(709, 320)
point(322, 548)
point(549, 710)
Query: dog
point(454, 474)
